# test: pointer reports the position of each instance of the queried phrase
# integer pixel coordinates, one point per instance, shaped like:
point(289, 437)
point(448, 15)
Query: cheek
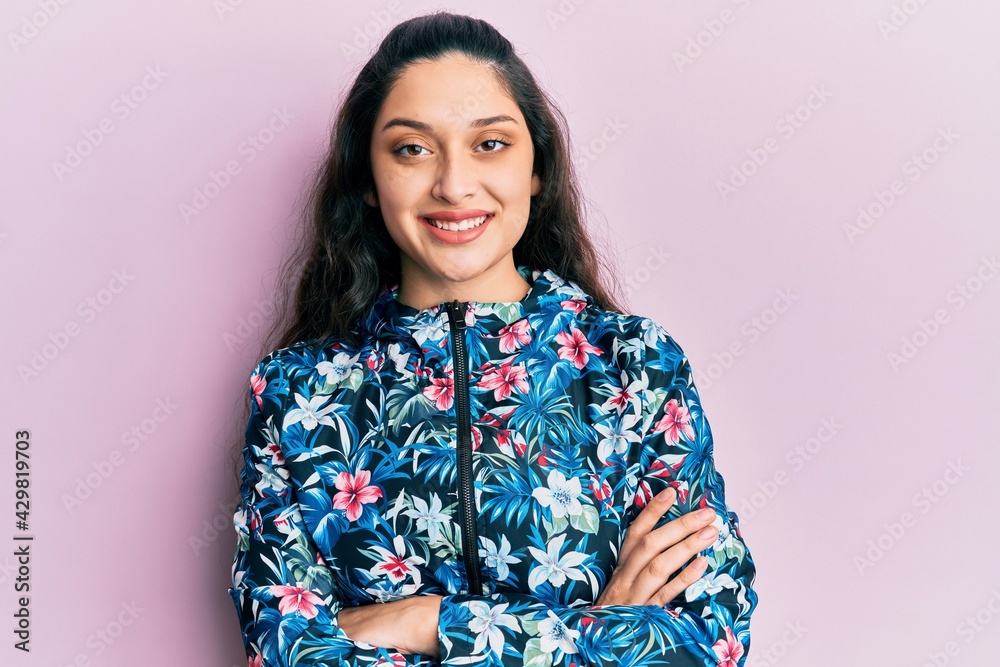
point(393, 188)
point(513, 191)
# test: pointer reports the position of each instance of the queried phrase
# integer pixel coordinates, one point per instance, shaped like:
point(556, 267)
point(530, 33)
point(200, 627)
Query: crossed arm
point(647, 563)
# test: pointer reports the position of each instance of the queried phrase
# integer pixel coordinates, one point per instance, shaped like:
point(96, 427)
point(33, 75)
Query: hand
point(648, 558)
point(408, 625)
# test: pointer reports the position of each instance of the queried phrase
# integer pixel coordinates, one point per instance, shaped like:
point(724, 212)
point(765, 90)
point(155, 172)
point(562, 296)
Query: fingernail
point(705, 514)
point(706, 532)
point(665, 494)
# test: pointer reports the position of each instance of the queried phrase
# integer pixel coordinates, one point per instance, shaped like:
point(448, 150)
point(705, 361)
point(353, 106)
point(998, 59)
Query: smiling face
point(450, 144)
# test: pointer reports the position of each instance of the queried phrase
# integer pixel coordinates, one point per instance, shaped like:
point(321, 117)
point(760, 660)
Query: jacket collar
point(389, 318)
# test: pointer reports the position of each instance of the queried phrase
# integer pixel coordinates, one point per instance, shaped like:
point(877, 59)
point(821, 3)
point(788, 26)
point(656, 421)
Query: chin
point(460, 271)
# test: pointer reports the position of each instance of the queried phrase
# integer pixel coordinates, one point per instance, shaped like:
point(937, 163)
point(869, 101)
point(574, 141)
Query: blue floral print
point(491, 453)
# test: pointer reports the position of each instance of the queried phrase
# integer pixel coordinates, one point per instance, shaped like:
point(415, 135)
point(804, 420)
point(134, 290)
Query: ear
point(371, 198)
point(536, 185)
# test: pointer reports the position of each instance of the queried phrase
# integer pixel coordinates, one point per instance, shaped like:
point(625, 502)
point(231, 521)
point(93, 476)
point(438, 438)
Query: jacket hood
point(389, 318)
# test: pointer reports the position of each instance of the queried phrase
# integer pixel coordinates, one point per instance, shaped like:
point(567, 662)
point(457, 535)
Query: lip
point(459, 237)
point(455, 216)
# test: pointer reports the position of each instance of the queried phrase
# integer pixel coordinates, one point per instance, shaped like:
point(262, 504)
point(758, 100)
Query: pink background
point(825, 444)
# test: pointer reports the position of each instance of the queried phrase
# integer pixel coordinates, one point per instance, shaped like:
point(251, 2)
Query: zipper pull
point(457, 314)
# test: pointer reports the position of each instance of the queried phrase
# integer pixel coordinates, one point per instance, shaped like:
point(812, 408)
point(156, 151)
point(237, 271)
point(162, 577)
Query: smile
point(468, 223)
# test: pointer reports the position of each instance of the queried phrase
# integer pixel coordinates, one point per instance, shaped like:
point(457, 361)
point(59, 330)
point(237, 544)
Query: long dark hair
point(346, 255)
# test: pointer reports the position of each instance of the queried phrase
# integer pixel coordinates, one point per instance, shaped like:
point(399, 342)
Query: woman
point(460, 424)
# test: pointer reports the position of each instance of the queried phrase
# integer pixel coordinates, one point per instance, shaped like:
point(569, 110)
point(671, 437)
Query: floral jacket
point(490, 453)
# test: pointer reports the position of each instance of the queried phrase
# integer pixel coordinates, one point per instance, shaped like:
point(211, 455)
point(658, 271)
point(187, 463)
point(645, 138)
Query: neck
point(500, 283)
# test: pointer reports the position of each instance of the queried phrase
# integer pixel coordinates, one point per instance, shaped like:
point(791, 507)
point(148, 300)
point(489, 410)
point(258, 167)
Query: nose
point(456, 178)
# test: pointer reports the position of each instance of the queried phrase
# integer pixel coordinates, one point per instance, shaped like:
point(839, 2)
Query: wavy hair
point(345, 255)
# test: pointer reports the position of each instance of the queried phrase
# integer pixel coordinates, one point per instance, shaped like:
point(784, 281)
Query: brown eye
point(494, 141)
point(399, 150)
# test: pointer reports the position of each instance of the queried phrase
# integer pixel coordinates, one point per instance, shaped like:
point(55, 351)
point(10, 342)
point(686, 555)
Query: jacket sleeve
point(707, 625)
point(285, 597)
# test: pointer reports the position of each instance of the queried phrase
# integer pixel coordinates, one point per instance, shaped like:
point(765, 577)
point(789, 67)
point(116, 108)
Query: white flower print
point(429, 518)
point(625, 396)
point(339, 368)
point(498, 559)
point(710, 583)
point(271, 481)
point(553, 568)
point(311, 413)
point(431, 329)
point(288, 523)
point(555, 635)
point(724, 537)
point(650, 332)
point(561, 496)
point(399, 359)
point(617, 437)
point(486, 622)
point(397, 565)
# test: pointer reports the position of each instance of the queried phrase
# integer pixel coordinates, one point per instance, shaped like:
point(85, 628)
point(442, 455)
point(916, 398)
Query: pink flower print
point(681, 489)
point(504, 380)
point(396, 564)
point(675, 421)
point(283, 522)
point(255, 522)
point(441, 391)
point(375, 360)
point(504, 416)
point(576, 305)
point(296, 599)
point(511, 441)
point(255, 661)
point(728, 650)
point(602, 490)
point(643, 494)
point(396, 567)
point(575, 347)
point(257, 386)
point(277, 458)
point(543, 460)
point(621, 397)
point(355, 492)
point(514, 336)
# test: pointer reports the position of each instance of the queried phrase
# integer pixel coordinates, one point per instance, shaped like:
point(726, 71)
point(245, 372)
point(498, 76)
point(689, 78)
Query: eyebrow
point(424, 127)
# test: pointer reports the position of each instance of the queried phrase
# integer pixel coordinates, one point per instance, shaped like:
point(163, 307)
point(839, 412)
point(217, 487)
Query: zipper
point(467, 501)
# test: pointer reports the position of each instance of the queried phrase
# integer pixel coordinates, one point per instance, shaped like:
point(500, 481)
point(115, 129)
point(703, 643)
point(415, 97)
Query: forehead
point(451, 90)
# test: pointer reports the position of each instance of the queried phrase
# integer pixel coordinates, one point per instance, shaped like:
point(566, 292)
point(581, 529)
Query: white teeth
point(468, 223)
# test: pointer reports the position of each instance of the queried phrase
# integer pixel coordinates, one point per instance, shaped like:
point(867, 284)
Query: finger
point(646, 519)
point(690, 574)
point(653, 543)
point(659, 570)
